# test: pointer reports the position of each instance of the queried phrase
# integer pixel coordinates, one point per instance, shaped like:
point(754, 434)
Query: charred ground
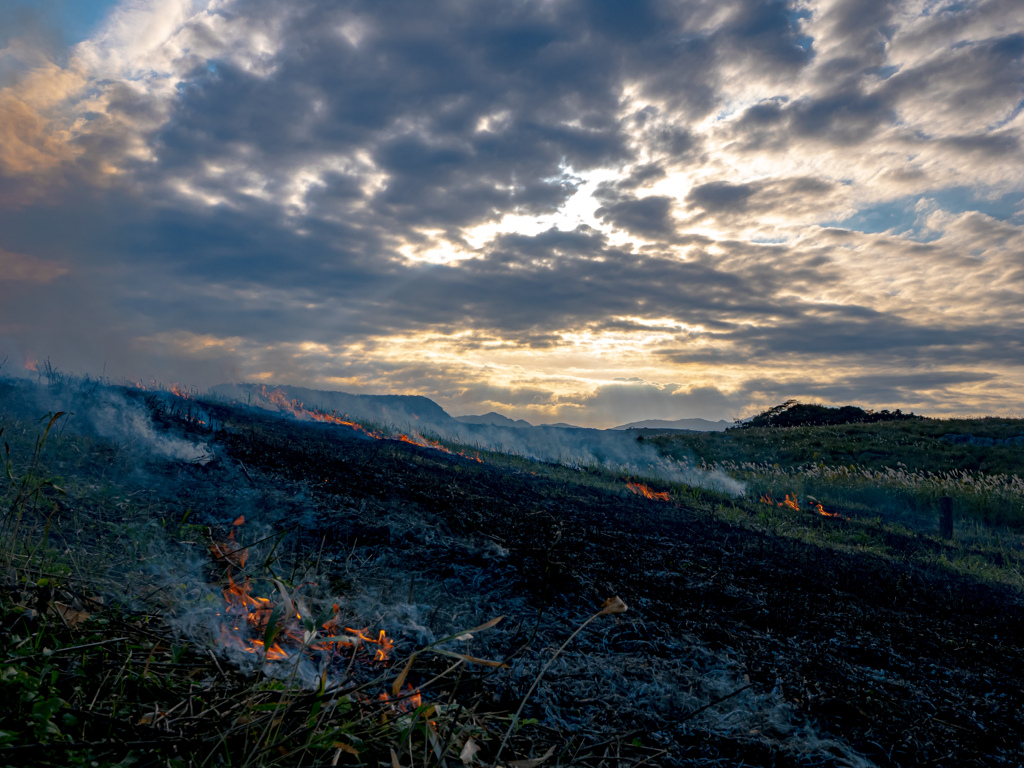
point(742, 644)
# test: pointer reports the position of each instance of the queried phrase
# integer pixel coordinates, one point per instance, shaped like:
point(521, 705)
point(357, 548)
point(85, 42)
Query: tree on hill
point(795, 414)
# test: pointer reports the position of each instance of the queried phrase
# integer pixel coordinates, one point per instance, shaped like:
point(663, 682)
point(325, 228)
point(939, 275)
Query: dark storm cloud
point(821, 332)
point(950, 87)
point(844, 118)
point(721, 196)
point(926, 390)
point(793, 196)
point(861, 28)
point(767, 31)
point(994, 145)
point(649, 216)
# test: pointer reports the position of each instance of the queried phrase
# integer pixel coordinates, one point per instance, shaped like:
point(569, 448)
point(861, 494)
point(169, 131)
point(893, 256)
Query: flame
point(386, 643)
point(31, 364)
point(181, 392)
point(816, 507)
point(790, 503)
point(642, 490)
point(794, 504)
point(299, 411)
point(247, 617)
point(406, 700)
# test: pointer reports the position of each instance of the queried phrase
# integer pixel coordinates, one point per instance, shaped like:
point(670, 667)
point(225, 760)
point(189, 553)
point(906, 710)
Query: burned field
point(739, 646)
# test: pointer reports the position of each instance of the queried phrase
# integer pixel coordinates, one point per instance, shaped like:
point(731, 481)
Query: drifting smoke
point(115, 417)
point(579, 448)
point(108, 412)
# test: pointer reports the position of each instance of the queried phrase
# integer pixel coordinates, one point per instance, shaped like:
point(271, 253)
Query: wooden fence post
point(946, 517)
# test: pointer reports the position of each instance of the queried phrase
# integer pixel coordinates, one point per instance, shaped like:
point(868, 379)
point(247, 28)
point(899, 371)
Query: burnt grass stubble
point(907, 666)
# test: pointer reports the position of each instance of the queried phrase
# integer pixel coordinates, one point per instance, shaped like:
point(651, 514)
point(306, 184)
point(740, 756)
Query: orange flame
point(824, 512)
point(299, 411)
point(794, 504)
point(642, 490)
point(407, 700)
point(247, 617)
point(249, 614)
point(31, 364)
point(228, 551)
point(790, 503)
point(181, 392)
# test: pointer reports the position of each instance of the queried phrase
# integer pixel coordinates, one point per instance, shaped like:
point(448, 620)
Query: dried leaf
point(458, 635)
point(471, 659)
point(537, 760)
point(394, 760)
point(400, 680)
point(469, 752)
point(482, 627)
point(240, 520)
point(289, 607)
point(346, 748)
point(614, 605)
point(70, 615)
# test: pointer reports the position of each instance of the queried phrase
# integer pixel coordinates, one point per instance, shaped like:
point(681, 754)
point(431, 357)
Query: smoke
point(108, 412)
point(580, 448)
point(113, 416)
point(615, 450)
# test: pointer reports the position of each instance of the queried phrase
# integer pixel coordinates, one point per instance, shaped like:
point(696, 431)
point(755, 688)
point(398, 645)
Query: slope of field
point(755, 633)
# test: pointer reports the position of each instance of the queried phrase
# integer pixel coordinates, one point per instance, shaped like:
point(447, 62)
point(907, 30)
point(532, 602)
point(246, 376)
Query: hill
point(164, 556)
point(794, 414)
point(395, 409)
point(494, 419)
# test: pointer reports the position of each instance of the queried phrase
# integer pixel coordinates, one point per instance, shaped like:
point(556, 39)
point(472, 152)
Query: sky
point(588, 212)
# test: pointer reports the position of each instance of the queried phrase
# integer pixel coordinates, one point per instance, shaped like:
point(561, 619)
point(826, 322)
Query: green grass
point(878, 446)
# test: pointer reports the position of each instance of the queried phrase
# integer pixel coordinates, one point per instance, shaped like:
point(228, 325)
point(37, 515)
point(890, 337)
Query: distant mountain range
point(415, 409)
point(495, 419)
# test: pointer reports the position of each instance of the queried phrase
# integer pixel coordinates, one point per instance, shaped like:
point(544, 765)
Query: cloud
point(635, 401)
point(33, 139)
point(510, 208)
point(647, 216)
point(16, 267)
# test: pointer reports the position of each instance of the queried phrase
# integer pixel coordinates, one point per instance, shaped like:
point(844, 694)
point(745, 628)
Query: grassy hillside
point(914, 444)
point(163, 559)
point(895, 469)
